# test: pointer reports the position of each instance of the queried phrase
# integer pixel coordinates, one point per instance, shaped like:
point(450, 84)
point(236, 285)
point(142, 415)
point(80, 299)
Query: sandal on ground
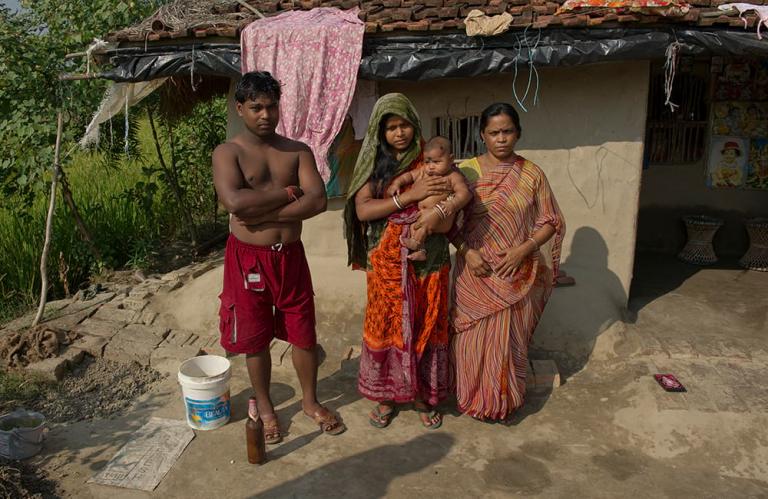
point(381, 419)
point(564, 280)
point(272, 434)
point(329, 423)
point(435, 419)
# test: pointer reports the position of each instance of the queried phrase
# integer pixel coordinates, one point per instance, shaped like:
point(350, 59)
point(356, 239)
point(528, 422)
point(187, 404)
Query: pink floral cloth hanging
point(315, 55)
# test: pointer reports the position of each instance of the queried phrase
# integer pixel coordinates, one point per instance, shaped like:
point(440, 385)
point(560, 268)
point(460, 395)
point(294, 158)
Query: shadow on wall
point(368, 474)
point(577, 316)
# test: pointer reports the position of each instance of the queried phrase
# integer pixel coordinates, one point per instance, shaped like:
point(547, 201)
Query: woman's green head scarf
point(397, 104)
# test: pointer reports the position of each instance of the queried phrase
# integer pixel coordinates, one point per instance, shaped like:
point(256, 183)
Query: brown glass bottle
point(254, 437)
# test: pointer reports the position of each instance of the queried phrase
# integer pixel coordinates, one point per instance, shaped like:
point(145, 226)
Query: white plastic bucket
point(205, 387)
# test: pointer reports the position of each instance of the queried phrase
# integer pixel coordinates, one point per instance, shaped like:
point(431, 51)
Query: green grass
point(127, 207)
point(123, 215)
point(17, 389)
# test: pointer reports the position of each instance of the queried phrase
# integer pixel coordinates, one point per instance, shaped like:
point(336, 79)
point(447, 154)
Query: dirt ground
point(609, 431)
point(19, 480)
point(96, 389)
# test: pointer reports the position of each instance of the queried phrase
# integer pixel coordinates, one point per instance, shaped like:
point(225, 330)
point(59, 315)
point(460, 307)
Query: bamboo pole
point(49, 223)
point(74, 77)
point(251, 8)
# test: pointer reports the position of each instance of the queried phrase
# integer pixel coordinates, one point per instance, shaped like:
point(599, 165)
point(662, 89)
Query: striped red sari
point(494, 318)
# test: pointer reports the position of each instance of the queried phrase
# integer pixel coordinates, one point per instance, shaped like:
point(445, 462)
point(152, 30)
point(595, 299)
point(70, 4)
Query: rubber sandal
point(272, 433)
point(329, 423)
point(380, 419)
point(432, 414)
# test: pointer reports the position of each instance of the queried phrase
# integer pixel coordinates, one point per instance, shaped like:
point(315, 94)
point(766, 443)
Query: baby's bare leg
point(444, 226)
point(416, 240)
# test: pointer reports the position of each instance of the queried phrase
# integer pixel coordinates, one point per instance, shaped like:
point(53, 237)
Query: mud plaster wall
point(587, 135)
point(670, 192)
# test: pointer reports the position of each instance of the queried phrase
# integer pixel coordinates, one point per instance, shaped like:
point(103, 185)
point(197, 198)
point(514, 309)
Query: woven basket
point(701, 230)
point(756, 257)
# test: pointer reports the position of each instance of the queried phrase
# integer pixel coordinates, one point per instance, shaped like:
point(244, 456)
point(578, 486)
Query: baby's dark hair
point(257, 83)
point(438, 142)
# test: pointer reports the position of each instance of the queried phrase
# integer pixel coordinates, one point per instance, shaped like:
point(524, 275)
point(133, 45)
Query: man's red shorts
point(267, 294)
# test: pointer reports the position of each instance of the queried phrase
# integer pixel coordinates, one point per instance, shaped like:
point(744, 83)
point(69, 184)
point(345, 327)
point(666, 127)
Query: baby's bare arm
point(461, 193)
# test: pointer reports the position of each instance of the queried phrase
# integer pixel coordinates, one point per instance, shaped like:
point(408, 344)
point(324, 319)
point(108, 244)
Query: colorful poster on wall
point(757, 167)
point(747, 119)
point(738, 154)
point(727, 162)
point(743, 80)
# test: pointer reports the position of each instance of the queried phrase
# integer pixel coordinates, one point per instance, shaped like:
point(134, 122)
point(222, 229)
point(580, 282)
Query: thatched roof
point(225, 18)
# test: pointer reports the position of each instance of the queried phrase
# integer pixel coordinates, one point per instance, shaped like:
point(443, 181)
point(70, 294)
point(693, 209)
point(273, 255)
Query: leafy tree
point(33, 43)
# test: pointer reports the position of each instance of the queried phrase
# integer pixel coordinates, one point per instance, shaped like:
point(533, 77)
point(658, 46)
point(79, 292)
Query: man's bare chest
point(278, 171)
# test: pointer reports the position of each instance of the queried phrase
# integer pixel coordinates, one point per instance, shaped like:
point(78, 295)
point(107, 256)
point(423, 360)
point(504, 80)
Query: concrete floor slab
point(609, 431)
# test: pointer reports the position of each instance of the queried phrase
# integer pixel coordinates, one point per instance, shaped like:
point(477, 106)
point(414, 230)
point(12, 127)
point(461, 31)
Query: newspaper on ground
point(144, 461)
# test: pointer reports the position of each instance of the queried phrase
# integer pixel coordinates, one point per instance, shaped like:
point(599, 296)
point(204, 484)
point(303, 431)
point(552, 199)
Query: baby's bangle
point(441, 212)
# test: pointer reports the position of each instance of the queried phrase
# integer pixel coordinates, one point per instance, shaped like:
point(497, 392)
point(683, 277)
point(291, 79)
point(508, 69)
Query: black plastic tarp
point(456, 55)
point(133, 65)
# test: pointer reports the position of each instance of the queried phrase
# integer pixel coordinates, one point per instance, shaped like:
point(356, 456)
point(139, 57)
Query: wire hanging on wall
point(532, 71)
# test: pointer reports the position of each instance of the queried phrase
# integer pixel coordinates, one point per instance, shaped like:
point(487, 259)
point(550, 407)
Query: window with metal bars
point(678, 137)
point(464, 134)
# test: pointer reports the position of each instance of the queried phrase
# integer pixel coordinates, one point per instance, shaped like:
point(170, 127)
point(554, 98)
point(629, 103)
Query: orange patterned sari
point(405, 334)
point(494, 318)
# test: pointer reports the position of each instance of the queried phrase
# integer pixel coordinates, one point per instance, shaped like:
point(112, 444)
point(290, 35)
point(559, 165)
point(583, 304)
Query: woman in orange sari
point(404, 357)
point(507, 260)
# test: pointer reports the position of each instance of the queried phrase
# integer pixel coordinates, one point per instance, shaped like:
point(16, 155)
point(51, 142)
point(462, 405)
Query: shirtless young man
point(437, 213)
point(269, 184)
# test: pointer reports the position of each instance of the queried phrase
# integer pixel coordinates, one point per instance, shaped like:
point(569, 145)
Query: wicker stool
point(701, 230)
point(756, 257)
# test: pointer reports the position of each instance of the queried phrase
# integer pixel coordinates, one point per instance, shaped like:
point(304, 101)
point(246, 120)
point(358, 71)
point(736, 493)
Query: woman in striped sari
point(405, 337)
point(507, 260)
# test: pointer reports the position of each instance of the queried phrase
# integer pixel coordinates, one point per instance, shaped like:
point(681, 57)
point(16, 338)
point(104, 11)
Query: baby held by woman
point(437, 213)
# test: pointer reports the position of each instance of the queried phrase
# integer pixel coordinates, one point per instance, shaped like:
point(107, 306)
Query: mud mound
point(96, 389)
point(21, 481)
point(40, 343)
